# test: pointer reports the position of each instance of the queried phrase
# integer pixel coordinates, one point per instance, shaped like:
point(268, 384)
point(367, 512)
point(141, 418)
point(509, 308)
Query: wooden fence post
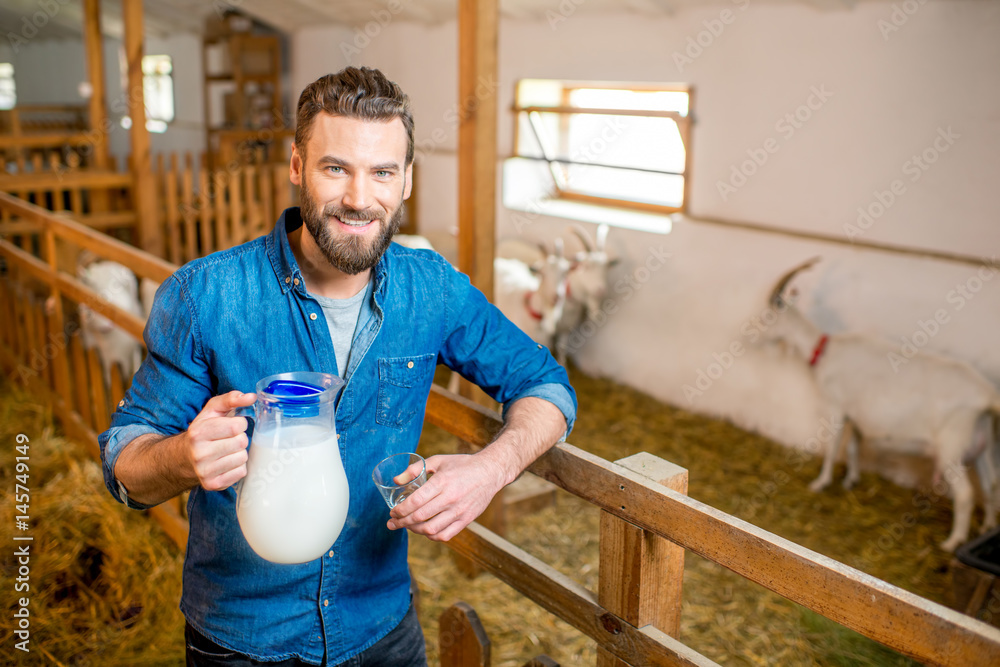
point(641, 574)
point(60, 370)
point(462, 641)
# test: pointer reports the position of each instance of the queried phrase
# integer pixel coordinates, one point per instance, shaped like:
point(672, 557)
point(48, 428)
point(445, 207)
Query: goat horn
point(588, 244)
point(779, 288)
point(558, 246)
point(602, 236)
point(543, 247)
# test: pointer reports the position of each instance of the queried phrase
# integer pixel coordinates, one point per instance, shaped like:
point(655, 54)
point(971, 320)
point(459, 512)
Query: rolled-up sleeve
point(169, 388)
point(488, 349)
point(557, 395)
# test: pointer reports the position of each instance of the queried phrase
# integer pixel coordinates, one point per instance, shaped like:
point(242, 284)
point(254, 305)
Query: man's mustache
point(354, 215)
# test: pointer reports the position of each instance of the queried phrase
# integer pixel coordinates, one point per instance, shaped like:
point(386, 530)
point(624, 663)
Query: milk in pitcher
point(293, 502)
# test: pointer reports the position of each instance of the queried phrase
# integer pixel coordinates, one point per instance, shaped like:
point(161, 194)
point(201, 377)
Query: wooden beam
point(69, 230)
point(65, 180)
point(554, 591)
point(477, 140)
point(906, 622)
point(144, 191)
point(93, 41)
point(73, 289)
point(44, 140)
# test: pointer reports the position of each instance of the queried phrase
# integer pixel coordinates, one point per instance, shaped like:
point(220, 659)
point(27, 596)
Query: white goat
point(147, 294)
point(414, 241)
point(116, 284)
point(934, 406)
point(588, 279)
point(533, 297)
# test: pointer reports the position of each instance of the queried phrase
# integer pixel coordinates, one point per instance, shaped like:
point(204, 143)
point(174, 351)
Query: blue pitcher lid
point(292, 391)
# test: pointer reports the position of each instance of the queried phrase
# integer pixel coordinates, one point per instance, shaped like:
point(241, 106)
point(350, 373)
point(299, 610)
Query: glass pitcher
point(292, 504)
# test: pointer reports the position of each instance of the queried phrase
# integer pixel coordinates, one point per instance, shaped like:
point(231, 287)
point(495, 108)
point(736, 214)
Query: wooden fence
point(198, 211)
point(647, 523)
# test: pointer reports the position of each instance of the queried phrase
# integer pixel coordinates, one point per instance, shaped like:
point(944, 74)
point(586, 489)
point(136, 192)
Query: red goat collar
point(531, 311)
point(527, 304)
point(818, 350)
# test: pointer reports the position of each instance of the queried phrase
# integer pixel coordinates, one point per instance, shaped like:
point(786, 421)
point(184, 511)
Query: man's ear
point(295, 167)
point(408, 176)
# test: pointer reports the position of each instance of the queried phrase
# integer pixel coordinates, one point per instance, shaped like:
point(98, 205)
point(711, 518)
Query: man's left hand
point(458, 490)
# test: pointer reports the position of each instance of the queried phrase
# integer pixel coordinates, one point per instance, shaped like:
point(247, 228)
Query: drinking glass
point(387, 477)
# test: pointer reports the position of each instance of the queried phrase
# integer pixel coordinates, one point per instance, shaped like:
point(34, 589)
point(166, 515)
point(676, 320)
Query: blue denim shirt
point(225, 321)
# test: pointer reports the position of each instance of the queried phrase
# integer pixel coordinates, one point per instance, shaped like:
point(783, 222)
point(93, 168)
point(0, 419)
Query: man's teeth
point(356, 223)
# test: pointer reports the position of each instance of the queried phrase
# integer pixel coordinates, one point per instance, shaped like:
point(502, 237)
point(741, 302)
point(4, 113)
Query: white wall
point(889, 98)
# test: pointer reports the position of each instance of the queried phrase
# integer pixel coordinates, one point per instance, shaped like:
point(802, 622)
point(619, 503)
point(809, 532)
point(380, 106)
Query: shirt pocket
point(403, 383)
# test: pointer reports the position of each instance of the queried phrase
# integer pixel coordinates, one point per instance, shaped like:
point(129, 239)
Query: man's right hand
point(212, 452)
point(216, 442)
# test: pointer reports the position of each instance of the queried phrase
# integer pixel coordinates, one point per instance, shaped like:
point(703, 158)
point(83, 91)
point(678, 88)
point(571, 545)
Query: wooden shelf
point(249, 104)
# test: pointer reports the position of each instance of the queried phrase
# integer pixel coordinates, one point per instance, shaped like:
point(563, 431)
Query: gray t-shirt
point(342, 319)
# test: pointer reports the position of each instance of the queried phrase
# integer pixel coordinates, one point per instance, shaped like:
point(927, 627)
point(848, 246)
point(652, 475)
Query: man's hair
point(363, 93)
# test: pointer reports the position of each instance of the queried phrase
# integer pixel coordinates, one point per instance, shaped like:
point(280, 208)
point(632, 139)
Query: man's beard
point(350, 254)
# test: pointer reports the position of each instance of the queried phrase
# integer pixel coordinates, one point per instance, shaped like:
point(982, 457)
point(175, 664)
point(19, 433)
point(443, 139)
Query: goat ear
point(584, 237)
point(602, 236)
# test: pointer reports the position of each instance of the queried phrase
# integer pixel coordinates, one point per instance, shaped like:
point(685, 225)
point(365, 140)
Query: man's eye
point(334, 169)
point(382, 174)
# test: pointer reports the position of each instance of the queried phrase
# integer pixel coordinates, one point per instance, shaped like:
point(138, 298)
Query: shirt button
point(312, 316)
point(409, 365)
point(338, 438)
point(121, 404)
point(326, 603)
point(287, 280)
point(331, 553)
point(295, 282)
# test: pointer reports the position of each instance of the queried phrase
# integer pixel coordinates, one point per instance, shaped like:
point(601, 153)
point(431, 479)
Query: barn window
point(617, 144)
point(8, 96)
point(158, 91)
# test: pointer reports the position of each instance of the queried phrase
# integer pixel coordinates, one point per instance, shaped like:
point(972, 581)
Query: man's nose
point(357, 194)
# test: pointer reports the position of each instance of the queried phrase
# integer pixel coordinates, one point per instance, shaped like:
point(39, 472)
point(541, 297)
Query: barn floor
point(106, 582)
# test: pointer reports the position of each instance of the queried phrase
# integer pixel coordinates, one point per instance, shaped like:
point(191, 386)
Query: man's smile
point(356, 226)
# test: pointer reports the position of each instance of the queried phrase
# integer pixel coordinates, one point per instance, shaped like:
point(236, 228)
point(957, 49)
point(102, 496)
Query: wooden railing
point(33, 137)
point(647, 520)
point(36, 118)
point(198, 211)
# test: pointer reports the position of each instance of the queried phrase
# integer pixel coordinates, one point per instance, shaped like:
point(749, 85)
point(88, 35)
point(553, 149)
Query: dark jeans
point(402, 647)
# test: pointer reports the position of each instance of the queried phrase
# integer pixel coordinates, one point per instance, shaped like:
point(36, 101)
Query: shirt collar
point(279, 251)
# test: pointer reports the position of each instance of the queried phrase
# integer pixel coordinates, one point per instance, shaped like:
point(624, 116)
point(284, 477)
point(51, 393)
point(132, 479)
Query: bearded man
point(325, 291)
